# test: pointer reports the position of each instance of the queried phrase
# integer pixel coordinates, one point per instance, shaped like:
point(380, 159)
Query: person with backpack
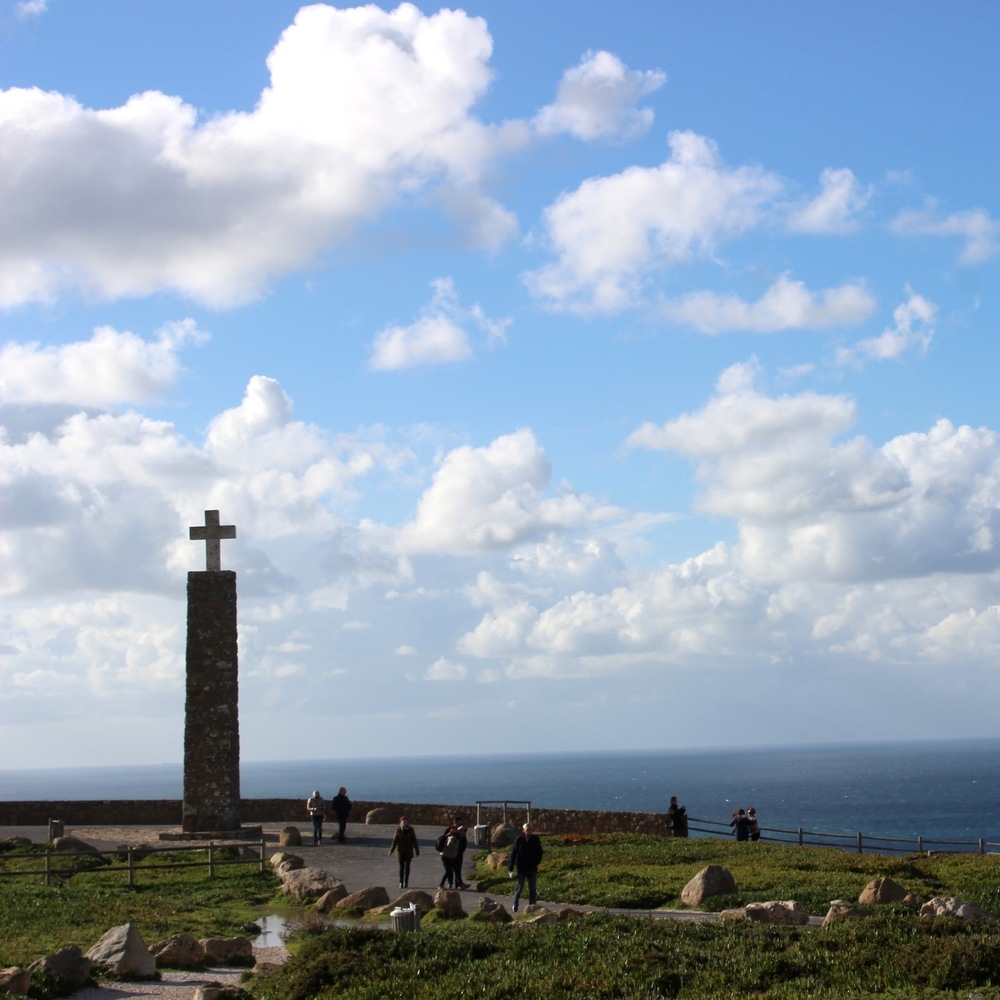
point(447, 846)
point(525, 856)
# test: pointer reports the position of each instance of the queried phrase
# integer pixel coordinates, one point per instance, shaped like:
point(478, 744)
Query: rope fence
point(845, 841)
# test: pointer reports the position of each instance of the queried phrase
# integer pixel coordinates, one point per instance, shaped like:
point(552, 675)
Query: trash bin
point(405, 918)
point(482, 833)
point(55, 829)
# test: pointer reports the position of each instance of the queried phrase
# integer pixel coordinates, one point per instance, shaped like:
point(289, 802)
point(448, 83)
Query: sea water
point(942, 791)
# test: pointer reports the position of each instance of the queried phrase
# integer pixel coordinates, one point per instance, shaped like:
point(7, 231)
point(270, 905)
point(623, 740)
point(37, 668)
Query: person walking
point(463, 840)
point(448, 846)
point(341, 809)
point(754, 826)
point(405, 846)
point(525, 856)
point(316, 808)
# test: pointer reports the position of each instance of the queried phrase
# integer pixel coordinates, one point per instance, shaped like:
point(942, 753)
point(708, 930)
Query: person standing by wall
point(405, 846)
point(754, 826)
point(341, 809)
point(525, 856)
point(677, 819)
point(740, 824)
point(316, 807)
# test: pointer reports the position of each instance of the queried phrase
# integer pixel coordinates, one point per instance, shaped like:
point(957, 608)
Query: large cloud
point(813, 507)
point(364, 106)
point(612, 232)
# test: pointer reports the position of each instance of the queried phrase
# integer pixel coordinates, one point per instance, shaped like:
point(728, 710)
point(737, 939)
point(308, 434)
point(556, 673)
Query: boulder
point(493, 911)
point(949, 906)
point(503, 835)
point(544, 917)
point(78, 846)
point(423, 899)
point(841, 909)
point(779, 911)
point(16, 842)
point(228, 951)
point(331, 898)
point(882, 890)
point(123, 954)
point(364, 899)
point(713, 880)
point(736, 913)
point(496, 860)
point(308, 883)
point(179, 951)
point(448, 903)
point(139, 851)
point(290, 837)
point(382, 816)
point(14, 979)
point(217, 991)
point(568, 913)
point(67, 965)
point(282, 862)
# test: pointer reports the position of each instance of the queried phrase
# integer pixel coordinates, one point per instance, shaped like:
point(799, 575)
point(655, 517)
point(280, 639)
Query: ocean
point(942, 791)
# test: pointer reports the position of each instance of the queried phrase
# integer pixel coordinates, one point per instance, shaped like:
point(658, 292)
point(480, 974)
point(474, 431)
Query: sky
point(577, 376)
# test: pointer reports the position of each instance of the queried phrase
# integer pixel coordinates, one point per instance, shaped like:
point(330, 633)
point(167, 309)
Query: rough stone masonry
point(211, 724)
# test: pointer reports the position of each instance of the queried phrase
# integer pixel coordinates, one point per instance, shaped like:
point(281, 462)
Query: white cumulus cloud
point(364, 107)
point(612, 232)
point(979, 230)
point(835, 209)
point(786, 305)
point(912, 330)
point(596, 99)
point(438, 336)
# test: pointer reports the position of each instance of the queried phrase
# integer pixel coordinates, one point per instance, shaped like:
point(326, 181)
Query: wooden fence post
point(861, 848)
point(211, 859)
point(800, 836)
point(131, 866)
point(48, 869)
point(262, 855)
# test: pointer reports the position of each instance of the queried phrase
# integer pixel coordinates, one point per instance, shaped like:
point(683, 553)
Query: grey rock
point(365, 899)
point(779, 911)
point(308, 883)
point(882, 890)
point(123, 954)
point(14, 979)
point(949, 906)
point(714, 880)
point(448, 903)
point(228, 951)
point(290, 837)
point(67, 965)
point(179, 951)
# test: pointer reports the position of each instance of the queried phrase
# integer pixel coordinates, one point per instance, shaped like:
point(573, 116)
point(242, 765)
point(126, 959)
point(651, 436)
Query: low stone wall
point(159, 812)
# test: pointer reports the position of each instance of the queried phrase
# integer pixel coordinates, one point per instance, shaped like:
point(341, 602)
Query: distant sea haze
point(940, 791)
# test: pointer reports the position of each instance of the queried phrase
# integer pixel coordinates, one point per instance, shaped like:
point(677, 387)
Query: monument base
point(243, 833)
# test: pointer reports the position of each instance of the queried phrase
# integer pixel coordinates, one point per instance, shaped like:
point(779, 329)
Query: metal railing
point(858, 841)
point(132, 856)
point(502, 804)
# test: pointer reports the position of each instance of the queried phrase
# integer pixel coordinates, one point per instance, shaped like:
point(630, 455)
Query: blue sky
point(577, 378)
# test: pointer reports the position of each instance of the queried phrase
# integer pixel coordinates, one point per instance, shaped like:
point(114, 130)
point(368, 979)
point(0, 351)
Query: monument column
point(211, 724)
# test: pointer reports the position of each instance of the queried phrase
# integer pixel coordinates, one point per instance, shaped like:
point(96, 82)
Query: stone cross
point(210, 534)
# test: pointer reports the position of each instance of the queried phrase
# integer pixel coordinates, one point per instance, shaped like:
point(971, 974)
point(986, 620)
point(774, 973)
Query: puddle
point(272, 927)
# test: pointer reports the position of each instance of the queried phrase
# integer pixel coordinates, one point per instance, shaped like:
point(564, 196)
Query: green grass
point(77, 909)
point(889, 954)
point(643, 872)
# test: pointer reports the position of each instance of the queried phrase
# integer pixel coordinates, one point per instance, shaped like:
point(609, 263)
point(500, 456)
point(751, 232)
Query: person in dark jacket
point(463, 840)
point(741, 825)
point(525, 856)
point(341, 809)
point(677, 818)
point(405, 846)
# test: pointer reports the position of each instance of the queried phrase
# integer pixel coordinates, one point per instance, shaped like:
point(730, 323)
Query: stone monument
point(211, 722)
